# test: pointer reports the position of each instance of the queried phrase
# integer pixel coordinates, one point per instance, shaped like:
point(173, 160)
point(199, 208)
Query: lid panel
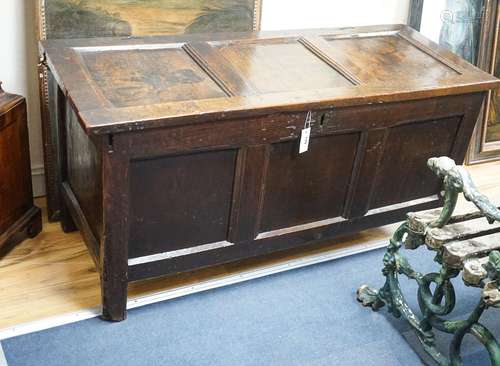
point(280, 65)
point(388, 58)
point(125, 84)
point(134, 77)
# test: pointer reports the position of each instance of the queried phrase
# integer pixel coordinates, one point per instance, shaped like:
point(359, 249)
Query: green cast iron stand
point(438, 302)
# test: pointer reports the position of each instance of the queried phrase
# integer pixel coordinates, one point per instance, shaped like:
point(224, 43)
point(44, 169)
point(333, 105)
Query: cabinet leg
point(67, 223)
point(114, 298)
point(115, 237)
point(29, 226)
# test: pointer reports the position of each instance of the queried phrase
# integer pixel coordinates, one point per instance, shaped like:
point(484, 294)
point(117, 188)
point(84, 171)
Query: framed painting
point(63, 19)
point(102, 18)
point(454, 24)
point(469, 28)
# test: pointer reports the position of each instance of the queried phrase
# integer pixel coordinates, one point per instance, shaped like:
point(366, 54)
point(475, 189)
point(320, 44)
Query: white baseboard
point(38, 177)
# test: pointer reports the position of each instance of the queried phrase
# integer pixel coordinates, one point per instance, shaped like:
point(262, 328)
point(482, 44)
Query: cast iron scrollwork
point(436, 294)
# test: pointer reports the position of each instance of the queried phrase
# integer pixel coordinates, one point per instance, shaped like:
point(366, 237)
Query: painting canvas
point(101, 18)
point(454, 24)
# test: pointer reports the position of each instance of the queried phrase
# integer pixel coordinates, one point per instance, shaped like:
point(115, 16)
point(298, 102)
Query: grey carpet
point(302, 317)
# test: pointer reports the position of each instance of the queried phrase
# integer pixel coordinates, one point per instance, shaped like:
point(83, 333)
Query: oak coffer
point(183, 152)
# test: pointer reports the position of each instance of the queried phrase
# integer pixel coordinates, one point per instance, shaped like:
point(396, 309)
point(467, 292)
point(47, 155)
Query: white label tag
point(304, 140)
point(306, 134)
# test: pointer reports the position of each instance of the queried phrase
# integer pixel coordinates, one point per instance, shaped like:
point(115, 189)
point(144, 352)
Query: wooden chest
point(19, 218)
point(183, 152)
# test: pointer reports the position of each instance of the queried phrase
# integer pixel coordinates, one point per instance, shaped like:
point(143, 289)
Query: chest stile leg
point(114, 246)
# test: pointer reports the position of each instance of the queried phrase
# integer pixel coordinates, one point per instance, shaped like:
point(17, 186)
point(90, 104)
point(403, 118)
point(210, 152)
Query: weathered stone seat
point(467, 244)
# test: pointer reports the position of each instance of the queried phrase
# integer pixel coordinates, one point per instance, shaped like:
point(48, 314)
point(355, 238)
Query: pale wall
point(297, 14)
point(18, 60)
point(18, 56)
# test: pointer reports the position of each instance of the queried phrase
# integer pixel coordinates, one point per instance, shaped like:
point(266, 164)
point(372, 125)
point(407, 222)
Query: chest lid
point(134, 83)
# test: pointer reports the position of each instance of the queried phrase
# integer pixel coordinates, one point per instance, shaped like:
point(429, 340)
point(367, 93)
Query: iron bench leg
point(433, 304)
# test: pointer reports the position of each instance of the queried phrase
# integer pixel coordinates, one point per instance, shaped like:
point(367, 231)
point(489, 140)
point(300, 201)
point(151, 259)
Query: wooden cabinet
point(19, 218)
point(182, 152)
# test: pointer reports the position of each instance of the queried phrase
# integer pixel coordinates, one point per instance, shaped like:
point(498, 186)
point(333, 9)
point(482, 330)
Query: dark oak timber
point(182, 152)
point(19, 217)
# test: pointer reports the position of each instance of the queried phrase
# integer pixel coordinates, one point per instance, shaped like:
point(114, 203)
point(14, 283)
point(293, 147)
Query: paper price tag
point(305, 135)
point(304, 140)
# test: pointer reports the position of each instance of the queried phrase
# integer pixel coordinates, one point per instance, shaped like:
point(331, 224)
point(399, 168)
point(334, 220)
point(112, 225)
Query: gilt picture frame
point(107, 18)
point(485, 145)
point(485, 142)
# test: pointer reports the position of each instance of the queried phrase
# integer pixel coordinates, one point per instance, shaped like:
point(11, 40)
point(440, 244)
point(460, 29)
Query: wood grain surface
point(126, 84)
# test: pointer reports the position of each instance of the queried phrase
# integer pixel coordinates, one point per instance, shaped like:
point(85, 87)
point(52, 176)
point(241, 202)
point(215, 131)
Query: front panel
point(402, 173)
point(309, 187)
point(180, 201)
point(212, 193)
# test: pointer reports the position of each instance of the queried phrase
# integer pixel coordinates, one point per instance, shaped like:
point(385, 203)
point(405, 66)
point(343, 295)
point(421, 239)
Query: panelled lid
point(135, 83)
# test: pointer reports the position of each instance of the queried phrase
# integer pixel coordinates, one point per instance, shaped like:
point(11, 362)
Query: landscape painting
point(103, 18)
